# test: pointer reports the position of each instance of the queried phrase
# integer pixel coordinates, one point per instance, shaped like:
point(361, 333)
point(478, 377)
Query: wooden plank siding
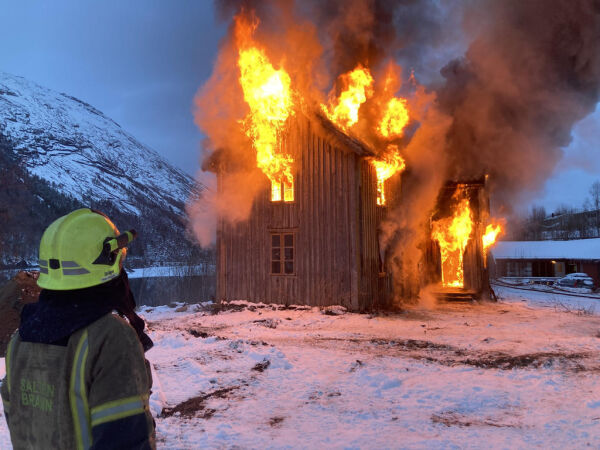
point(334, 220)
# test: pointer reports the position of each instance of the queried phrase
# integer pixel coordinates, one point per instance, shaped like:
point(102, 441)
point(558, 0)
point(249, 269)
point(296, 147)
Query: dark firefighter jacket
point(82, 389)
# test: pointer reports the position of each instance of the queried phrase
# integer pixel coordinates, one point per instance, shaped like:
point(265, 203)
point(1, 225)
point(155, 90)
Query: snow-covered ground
point(514, 374)
point(171, 271)
point(552, 299)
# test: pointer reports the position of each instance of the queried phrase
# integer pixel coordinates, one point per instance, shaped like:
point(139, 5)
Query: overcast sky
point(142, 61)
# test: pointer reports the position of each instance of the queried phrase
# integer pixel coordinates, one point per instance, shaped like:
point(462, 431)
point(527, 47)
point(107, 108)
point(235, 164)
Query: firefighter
point(76, 376)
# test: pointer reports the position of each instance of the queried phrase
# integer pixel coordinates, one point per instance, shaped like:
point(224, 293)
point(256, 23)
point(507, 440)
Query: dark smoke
point(531, 72)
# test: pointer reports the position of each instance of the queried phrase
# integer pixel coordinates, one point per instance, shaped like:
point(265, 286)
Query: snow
point(515, 374)
point(171, 271)
point(552, 300)
point(573, 249)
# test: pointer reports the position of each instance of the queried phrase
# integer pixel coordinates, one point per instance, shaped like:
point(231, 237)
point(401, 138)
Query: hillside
point(58, 153)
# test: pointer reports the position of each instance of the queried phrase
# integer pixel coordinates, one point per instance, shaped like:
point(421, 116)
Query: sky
point(142, 61)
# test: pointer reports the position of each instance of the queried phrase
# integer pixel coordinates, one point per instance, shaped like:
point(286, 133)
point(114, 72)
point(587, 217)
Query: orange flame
point(358, 86)
point(490, 235)
point(267, 92)
point(453, 234)
point(395, 117)
point(489, 238)
point(385, 167)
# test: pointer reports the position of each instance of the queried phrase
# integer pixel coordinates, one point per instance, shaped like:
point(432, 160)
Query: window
point(282, 254)
point(277, 187)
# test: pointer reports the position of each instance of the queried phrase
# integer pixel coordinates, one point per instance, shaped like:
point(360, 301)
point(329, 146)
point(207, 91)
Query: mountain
point(58, 153)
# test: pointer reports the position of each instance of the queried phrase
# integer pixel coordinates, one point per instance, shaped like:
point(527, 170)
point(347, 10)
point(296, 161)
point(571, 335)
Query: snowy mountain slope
point(85, 154)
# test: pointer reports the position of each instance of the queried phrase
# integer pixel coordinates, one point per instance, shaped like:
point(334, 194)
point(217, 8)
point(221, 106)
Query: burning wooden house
point(314, 240)
point(312, 235)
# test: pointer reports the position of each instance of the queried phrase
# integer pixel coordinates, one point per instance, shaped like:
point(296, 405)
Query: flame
point(453, 234)
point(395, 117)
point(489, 238)
point(358, 86)
point(490, 235)
point(268, 94)
point(385, 167)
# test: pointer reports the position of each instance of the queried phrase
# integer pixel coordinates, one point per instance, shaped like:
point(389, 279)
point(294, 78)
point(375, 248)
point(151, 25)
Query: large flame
point(491, 234)
point(391, 126)
point(395, 117)
point(385, 167)
point(358, 87)
point(453, 234)
point(489, 238)
point(267, 92)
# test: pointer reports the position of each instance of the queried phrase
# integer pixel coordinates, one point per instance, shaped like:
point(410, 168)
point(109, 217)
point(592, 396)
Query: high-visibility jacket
point(91, 393)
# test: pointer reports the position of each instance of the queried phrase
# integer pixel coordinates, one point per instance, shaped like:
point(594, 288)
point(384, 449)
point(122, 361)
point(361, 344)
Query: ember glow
point(358, 87)
point(385, 167)
point(453, 234)
point(267, 92)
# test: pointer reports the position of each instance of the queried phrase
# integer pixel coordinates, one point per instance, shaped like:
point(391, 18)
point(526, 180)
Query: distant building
point(571, 225)
point(547, 258)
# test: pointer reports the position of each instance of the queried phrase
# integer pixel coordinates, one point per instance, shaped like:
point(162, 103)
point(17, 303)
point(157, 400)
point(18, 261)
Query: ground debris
point(335, 310)
point(453, 418)
point(356, 365)
point(261, 366)
point(505, 361)
point(190, 407)
point(276, 421)
point(413, 344)
point(199, 333)
point(268, 323)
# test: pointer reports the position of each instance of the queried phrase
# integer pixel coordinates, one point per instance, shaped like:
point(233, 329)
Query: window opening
point(282, 189)
point(282, 254)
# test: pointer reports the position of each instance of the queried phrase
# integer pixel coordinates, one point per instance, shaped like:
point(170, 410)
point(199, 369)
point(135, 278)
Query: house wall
point(334, 242)
point(592, 268)
point(375, 283)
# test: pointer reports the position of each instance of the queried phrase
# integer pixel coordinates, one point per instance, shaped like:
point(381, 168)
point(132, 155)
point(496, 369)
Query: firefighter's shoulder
point(114, 329)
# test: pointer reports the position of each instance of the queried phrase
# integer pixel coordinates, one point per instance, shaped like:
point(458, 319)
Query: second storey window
point(282, 190)
point(282, 254)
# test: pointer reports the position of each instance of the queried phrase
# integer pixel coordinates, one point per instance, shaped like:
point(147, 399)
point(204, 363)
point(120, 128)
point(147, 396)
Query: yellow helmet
point(81, 249)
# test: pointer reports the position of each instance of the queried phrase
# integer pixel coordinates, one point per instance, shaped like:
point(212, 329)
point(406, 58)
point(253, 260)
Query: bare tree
point(535, 223)
point(595, 199)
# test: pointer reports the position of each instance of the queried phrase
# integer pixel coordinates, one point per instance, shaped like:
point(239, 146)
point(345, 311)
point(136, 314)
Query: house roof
point(320, 125)
point(575, 249)
point(343, 140)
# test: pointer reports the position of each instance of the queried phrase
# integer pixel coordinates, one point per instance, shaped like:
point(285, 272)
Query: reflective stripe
point(75, 271)
point(8, 361)
point(78, 396)
point(43, 262)
point(44, 270)
point(117, 409)
point(69, 264)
